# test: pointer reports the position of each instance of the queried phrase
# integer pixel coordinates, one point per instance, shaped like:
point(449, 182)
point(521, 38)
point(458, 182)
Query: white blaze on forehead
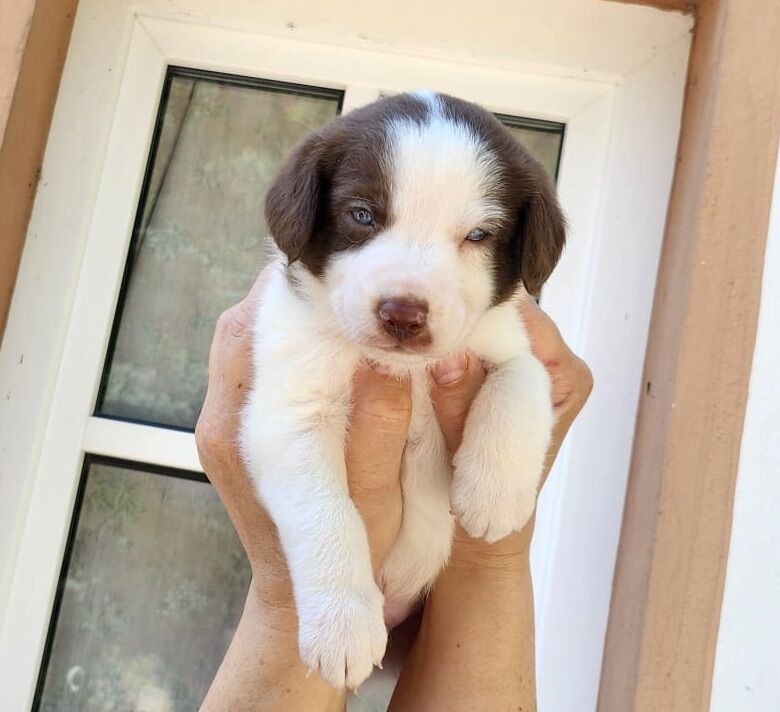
point(443, 178)
point(428, 97)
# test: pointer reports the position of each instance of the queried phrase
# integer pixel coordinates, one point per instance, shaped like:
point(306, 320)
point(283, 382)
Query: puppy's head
point(415, 214)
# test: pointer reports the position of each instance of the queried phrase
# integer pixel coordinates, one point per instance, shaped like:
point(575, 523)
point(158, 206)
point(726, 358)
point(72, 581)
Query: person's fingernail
point(450, 370)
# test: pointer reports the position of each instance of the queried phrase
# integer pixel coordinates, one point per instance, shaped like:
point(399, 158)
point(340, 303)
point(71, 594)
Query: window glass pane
point(200, 238)
point(153, 591)
point(542, 138)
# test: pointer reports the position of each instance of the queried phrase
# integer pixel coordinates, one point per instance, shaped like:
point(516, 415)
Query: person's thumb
point(382, 406)
point(375, 444)
point(456, 381)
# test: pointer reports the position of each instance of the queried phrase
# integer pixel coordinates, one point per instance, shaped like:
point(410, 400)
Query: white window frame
point(614, 179)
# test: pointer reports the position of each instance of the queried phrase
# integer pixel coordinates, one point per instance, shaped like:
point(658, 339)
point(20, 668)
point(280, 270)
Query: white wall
point(747, 662)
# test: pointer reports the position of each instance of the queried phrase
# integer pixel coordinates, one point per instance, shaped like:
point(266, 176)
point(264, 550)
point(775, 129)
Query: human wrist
point(475, 557)
point(273, 607)
point(277, 624)
point(263, 664)
point(475, 643)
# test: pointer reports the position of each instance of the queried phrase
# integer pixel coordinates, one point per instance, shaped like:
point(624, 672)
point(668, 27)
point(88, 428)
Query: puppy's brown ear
point(294, 197)
point(544, 232)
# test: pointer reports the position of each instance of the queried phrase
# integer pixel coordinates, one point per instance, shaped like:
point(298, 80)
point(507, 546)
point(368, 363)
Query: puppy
point(407, 230)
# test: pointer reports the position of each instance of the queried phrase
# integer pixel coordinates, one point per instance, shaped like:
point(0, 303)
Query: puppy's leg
point(425, 538)
point(294, 448)
point(499, 464)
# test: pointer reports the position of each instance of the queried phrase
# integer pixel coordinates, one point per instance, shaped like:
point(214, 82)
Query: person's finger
point(244, 312)
point(456, 381)
point(571, 379)
point(377, 436)
point(229, 378)
point(229, 372)
point(547, 343)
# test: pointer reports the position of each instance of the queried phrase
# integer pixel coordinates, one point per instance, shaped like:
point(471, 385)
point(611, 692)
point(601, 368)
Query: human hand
point(263, 661)
point(475, 645)
point(458, 380)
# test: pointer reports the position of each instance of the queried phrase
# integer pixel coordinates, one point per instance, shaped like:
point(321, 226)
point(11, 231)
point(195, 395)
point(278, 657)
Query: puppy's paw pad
point(342, 636)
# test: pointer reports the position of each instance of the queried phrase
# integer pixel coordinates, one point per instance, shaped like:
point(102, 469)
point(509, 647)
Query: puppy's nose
point(403, 317)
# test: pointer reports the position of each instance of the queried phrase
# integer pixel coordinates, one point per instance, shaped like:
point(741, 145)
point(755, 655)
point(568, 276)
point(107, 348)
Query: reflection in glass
point(152, 594)
point(542, 138)
point(200, 238)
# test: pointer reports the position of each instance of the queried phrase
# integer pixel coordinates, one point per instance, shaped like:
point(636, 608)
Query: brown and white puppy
point(406, 230)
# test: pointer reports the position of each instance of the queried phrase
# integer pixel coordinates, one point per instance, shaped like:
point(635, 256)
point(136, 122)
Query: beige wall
point(33, 41)
point(669, 579)
point(15, 19)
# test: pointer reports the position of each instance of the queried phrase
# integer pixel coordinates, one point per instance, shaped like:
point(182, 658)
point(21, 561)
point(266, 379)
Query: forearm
point(475, 647)
point(262, 669)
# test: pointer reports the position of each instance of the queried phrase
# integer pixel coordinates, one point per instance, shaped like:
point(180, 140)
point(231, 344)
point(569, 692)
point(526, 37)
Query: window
point(154, 584)
point(154, 577)
point(199, 239)
point(542, 138)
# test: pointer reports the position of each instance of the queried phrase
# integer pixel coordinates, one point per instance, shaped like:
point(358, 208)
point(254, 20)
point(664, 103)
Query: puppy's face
point(416, 214)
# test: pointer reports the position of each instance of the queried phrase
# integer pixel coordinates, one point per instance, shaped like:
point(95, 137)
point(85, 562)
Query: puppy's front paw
point(342, 634)
point(494, 490)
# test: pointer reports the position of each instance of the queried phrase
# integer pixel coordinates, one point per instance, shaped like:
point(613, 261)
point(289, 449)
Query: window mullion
point(141, 443)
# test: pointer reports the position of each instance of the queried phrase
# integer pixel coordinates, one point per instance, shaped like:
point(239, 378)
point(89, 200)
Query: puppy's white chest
point(424, 541)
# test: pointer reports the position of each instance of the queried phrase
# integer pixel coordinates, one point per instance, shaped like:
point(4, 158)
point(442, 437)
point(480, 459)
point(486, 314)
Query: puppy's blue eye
point(477, 234)
point(362, 216)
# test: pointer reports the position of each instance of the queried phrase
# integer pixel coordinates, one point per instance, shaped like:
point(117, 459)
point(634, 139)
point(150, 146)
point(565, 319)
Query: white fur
point(305, 352)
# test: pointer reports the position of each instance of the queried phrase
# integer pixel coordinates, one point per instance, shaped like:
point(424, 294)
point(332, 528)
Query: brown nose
point(403, 317)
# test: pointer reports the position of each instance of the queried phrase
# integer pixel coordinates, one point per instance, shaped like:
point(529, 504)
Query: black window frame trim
point(540, 125)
